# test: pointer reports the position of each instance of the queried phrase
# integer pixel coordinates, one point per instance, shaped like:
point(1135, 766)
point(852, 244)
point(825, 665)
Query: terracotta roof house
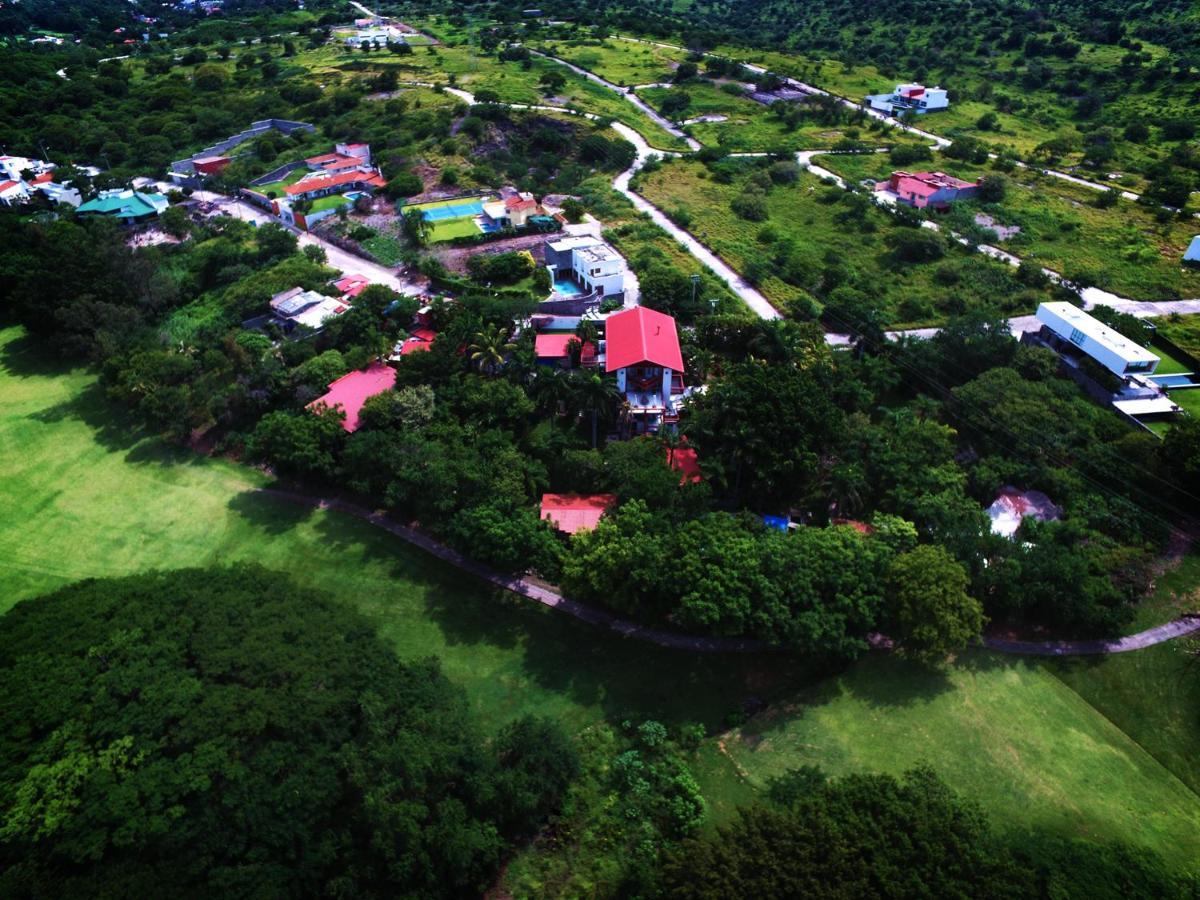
point(570, 513)
point(352, 390)
point(642, 348)
point(928, 189)
point(321, 184)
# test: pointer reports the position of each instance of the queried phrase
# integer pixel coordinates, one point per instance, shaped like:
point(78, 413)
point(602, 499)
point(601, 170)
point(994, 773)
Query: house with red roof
point(418, 341)
point(936, 190)
point(322, 184)
point(352, 390)
point(554, 350)
point(570, 513)
point(911, 97)
point(642, 349)
point(350, 286)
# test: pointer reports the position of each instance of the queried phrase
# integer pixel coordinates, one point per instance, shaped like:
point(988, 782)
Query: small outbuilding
point(570, 513)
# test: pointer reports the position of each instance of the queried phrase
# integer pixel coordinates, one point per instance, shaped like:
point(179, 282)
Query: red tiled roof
point(553, 346)
point(641, 335)
point(424, 334)
point(317, 181)
point(352, 285)
point(684, 460)
point(515, 203)
point(575, 512)
point(352, 390)
point(5, 185)
point(43, 178)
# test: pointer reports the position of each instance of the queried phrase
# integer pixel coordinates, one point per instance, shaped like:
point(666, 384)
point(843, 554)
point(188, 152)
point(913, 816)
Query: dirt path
point(673, 640)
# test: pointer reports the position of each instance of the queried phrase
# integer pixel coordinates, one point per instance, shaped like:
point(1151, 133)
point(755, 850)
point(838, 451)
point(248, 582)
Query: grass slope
point(1000, 729)
point(82, 495)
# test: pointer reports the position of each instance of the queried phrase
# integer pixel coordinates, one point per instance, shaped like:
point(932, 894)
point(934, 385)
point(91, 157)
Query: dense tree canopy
point(226, 733)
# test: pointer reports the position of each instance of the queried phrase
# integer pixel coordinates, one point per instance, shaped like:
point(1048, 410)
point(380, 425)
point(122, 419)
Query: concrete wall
point(256, 129)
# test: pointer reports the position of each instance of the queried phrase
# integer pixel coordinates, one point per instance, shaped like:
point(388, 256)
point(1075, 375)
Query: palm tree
point(551, 389)
point(596, 395)
point(415, 226)
point(489, 348)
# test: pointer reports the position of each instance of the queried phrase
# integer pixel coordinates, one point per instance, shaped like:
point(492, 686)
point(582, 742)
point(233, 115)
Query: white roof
point(1094, 330)
point(574, 243)
point(1146, 407)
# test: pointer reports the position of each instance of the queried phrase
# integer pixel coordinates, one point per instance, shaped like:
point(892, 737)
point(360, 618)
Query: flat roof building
point(1111, 349)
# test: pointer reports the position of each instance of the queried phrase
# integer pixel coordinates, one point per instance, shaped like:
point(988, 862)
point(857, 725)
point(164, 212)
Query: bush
point(917, 245)
point(907, 154)
point(751, 206)
point(404, 184)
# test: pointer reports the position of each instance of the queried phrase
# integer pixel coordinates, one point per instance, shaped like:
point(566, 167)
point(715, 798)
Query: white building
point(297, 306)
point(912, 96)
point(1111, 349)
point(591, 262)
point(379, 37)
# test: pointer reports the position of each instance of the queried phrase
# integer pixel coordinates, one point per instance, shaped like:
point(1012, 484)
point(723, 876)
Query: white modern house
point(914, 97)
point(1093, 338)
point(589, 261)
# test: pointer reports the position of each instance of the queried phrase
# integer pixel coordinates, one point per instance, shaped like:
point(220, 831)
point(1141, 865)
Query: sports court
point(454, 218)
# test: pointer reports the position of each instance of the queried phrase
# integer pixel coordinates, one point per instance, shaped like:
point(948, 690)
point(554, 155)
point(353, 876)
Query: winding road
point(548, 596)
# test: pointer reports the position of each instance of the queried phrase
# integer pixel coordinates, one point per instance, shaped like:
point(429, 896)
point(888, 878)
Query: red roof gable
point(553, 346)
point(575, 512)
point(43, 178)
point(517, 203)
point(352, 390)
point(5, 185)
point(642, 335)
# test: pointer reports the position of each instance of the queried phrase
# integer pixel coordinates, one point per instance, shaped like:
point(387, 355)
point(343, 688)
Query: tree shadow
point(29, 356)
point(268, 514)
point(113, 427)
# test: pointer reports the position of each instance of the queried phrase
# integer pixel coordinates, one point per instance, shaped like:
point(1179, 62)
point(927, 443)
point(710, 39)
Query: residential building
point(308, 309)
point(419, 340)
point(909, 98)
point(571, 513)
point(350, 392)
point(642, 348)
point(344, 158)
point(19, 168)
point(935, 190)
point(514, 211)
point(1071, 329)
point(13, 193)
point(322, 184)
point(350, 286)
point(129, 206)
point(379, 36)
point(211, 165)
point(554, 350)
point(589, 262)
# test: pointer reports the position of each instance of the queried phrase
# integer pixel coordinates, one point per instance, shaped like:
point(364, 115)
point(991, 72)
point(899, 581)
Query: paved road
point(1163, 633)
point(650, 112)
point(344, 262)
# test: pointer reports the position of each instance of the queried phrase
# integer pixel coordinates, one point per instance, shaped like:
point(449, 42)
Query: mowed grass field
point(82, 495)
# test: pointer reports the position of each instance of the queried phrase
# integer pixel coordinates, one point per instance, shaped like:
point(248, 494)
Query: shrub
point(751, 206)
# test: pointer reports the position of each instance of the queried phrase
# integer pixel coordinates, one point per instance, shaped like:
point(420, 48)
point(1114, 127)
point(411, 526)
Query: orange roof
point(317, 181)
point(575, 512)
point(684, 460)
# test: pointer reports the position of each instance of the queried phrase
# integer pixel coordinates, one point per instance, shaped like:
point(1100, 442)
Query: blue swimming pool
point(1170, 381)
point(566, 287)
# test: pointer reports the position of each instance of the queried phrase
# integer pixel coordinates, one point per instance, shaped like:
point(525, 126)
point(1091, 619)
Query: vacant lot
point(809, 245)
point(1124, 248)
point(621, 62)
point(84, 496)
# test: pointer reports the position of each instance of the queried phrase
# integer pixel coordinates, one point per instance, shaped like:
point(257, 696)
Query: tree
point(686, 71)
point(298, 444)
point(415, 226)
point(403, 184)
point(224, 732)
point(932, 611)
point(859, 836)
point(595, 396)
point(573, 209)
point(552, 81)
point(992, 188)
point(538, 762)
point(489, 348)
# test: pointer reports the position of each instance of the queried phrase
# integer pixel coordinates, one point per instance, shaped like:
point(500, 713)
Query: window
point(1078, 338)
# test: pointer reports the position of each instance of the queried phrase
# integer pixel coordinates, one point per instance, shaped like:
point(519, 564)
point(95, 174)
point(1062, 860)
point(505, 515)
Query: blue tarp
point(780, 523)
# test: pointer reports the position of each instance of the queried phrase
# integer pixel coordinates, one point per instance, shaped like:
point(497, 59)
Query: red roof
point(5, 185)
point(352, 285)
point(683, 460)
point(317, 181)
point(43, 178)
point(419, 339)
point(553, 346)
point(351, 391)
point(575, 512)
point(516, 203)
point(641, 335)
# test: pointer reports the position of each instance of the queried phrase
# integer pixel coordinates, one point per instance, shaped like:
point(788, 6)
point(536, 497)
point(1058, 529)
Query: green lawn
point(997, 728)
point(386, 249)
point(84, 495)
point(285, 182)
point(1171, 362)
point(618, 61)
point(333, 201)
point(1184, 331)
point(1188, 399)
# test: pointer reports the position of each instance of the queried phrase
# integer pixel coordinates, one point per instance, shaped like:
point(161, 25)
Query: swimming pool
point(565, 287)
point(1170, 381)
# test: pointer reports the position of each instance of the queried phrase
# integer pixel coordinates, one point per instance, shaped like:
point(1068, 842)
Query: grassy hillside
point(82, 497)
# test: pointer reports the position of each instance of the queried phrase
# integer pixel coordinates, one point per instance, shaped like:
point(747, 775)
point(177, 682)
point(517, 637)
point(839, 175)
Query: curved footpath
point(673, 640)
